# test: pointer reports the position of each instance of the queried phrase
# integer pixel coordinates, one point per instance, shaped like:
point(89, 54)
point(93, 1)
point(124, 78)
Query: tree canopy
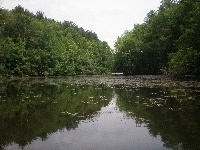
point(167, 42)
point(34, 45)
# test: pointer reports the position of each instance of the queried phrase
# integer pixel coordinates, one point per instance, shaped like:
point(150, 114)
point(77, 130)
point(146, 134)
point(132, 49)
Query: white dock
point(118, 73)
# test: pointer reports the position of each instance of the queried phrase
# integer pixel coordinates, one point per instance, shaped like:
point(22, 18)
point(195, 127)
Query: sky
point(107, 18)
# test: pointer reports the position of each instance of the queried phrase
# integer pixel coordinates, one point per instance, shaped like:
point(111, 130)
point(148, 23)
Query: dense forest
point(167, 42)
point(34, 45)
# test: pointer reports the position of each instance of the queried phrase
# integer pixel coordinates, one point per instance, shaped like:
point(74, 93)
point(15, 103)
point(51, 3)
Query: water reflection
point(59, 115)
point(172, 113)
point(31, 110)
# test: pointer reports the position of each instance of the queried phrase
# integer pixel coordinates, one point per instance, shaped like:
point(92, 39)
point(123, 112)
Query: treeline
point(34, 45)
point(167, 42)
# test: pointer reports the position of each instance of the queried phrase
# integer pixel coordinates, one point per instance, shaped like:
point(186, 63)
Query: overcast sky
point(108, 18)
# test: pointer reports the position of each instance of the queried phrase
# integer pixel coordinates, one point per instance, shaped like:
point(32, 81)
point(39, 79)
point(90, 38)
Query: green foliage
point(129, 51)
point(185, 62)
point(34, 45)
point(168, 40)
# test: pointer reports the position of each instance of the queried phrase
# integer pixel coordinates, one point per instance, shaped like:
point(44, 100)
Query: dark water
point(99, 114)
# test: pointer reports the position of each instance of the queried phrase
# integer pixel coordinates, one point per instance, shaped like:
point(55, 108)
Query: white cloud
point(108, 18)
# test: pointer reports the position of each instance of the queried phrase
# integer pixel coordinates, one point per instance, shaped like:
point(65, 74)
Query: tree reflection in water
point(172, 113)
point(39, 108)
point(30, 110)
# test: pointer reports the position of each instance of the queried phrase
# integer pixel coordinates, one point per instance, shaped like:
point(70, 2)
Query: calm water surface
point(99, 113)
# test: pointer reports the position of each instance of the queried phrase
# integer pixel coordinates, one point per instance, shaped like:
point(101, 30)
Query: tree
point(168, 39)
point(49, 47)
